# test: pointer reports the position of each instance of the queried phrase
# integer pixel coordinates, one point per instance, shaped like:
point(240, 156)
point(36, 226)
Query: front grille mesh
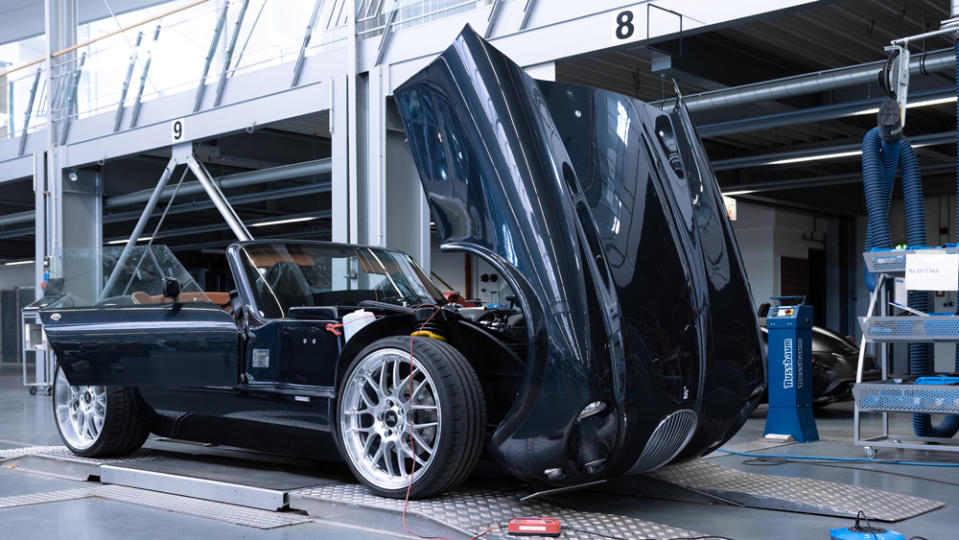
point(668, 439)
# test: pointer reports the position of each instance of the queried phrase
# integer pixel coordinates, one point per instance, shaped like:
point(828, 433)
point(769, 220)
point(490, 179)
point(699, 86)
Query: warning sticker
point(261, 358)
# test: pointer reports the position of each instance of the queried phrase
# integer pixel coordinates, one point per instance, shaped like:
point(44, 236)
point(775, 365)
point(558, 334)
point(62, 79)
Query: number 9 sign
point(177, 129)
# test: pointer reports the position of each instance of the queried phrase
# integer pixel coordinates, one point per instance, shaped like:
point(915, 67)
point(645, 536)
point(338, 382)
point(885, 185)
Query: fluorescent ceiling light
point(833, 155)
point(284, 221)
point(735, 192)
point(815, 157)
point(931, 102)
point(910, 105)
point(124, 240)
point(15, 263)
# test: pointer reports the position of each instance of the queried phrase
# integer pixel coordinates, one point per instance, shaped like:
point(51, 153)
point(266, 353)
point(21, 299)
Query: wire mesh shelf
point(894, 261)
point(890, 396)
point(943, 328)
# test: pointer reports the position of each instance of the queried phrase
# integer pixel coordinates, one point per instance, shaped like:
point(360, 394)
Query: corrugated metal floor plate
point(59, 461)
point(793, 493)
point(62, 453)
point(750, 446)
point(10, 453)
point(472, 512)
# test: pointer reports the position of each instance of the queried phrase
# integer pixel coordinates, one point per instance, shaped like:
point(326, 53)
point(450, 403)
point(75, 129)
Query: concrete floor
point(27, 420)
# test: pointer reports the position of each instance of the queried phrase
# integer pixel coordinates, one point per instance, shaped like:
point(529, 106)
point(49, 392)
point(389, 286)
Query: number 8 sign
point(624, 25)
point(177, 129)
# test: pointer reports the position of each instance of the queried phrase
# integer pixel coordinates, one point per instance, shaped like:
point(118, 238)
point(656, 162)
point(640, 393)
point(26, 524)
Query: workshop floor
point(27, 421)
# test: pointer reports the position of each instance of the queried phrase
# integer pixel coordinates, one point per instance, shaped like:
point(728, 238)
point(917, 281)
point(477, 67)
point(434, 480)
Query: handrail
point(104, 36)
point(101, 96)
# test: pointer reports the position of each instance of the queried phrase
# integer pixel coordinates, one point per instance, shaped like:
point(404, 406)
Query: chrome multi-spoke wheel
point(80, 412)
point(97, 421)
point(391, 421)
point(410, 422)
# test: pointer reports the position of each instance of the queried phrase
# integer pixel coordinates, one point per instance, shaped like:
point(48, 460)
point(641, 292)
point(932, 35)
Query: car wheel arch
point(469, 339)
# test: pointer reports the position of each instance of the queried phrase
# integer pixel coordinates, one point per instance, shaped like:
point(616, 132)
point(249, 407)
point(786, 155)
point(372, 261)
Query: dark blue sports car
point(632, 342)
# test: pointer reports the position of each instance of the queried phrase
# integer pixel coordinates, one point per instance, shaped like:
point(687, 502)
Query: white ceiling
point(20, 19)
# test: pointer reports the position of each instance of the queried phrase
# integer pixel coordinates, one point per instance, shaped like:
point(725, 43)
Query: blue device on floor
point(864, 532)
point(790, 371)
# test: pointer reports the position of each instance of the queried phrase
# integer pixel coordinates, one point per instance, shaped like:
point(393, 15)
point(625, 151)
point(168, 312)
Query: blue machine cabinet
point(790, 372)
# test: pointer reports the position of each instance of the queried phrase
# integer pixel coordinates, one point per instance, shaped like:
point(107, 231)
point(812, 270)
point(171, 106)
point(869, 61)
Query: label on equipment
point(532, 527)
point(799, 364)
point(787, 363)
point(900, 293)
point(932, 272)
point(261, 358)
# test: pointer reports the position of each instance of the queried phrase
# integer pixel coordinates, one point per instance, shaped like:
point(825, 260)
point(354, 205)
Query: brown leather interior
point(218, 298)
point(266, 260)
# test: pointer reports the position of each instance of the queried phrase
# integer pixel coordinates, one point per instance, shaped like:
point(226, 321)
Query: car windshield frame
point(279, 275)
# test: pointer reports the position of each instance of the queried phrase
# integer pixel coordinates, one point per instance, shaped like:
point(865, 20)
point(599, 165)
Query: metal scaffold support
point(182, 154)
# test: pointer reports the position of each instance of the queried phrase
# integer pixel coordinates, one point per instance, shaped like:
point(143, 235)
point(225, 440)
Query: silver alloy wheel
point(379, 412)
point(80, 411)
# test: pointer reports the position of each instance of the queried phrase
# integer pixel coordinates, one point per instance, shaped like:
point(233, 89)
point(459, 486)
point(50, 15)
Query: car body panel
point(145, 345)
point(628, 275)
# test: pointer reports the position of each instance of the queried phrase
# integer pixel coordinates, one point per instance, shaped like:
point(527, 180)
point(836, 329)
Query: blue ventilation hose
point(880, 160)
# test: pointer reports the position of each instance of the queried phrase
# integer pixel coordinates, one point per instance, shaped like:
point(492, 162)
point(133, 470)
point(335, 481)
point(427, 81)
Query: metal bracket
point(493, 16)
point(527, 13)
point(135, 114)
point(126, 82)
point(298, 67)
point(219, 200)
point(387, 34)
point(69, 99)
point(228, 57)
point(899, 78)
point(29, 111)
point(181, 154)
point(201, 86)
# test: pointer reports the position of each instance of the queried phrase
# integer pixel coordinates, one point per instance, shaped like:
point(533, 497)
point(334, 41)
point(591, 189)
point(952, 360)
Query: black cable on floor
point(765, 461)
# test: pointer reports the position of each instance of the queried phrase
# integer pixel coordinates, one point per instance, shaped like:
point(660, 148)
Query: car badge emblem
point(55, 317)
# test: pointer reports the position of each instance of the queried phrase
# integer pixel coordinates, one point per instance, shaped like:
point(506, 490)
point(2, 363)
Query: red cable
point(409, 487)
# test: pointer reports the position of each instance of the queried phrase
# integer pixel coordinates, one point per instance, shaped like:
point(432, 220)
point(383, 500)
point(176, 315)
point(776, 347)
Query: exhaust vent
point(667, 440)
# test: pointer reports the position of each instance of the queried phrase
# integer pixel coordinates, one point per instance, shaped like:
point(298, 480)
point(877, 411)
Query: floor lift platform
point(266, 492)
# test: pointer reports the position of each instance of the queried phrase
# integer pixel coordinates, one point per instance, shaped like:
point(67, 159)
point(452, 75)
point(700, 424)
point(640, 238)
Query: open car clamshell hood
point(605, 218)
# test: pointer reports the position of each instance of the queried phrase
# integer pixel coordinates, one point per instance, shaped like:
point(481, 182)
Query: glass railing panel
point(90, 78)
point(175, 47)
point(409, 13)
point(272, 33)
point(17, 84)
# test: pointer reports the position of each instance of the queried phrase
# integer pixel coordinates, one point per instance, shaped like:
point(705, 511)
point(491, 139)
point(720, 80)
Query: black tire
point(125, 426)
point(462, 415)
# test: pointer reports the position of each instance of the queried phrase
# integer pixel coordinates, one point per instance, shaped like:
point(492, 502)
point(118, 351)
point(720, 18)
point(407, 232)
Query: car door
point(161, 345)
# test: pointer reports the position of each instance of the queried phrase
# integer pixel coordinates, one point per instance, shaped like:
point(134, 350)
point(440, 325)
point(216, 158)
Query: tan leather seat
point(218, 298)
